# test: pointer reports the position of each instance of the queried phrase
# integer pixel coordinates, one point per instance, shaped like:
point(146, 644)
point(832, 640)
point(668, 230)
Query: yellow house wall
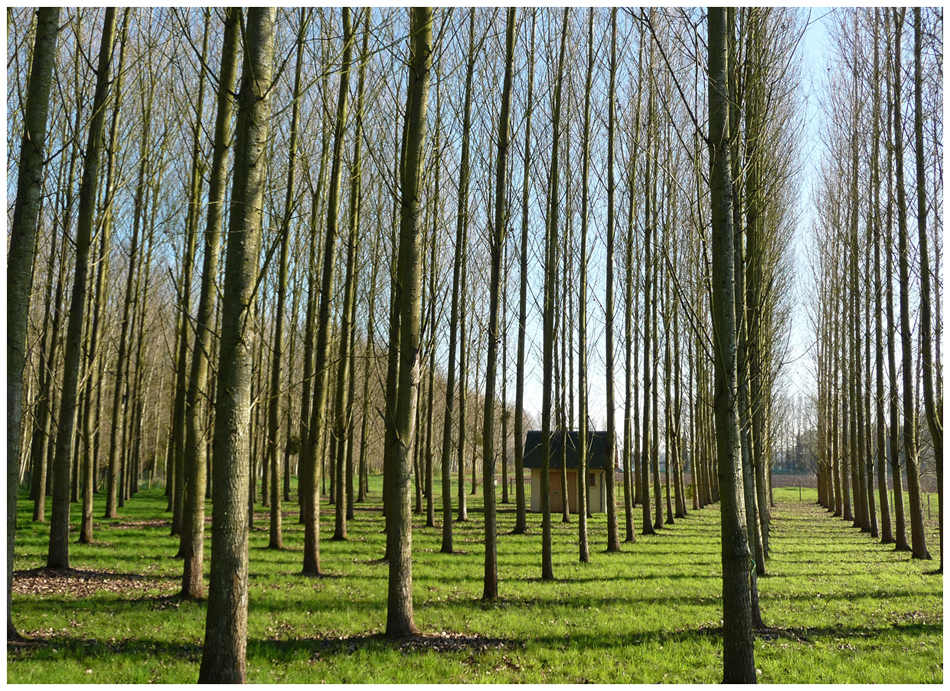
point(596, 494)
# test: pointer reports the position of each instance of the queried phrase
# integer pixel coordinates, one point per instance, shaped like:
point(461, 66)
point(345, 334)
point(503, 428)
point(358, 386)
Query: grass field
point(840, 606)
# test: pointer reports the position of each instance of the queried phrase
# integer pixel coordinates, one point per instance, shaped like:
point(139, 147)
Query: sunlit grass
point(842, 607)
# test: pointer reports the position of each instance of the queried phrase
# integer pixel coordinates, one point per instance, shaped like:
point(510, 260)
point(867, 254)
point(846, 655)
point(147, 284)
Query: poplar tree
point(20, 258)
point(196, 402)
point(276, 396)
point(547, 568)
point(917, 535)
point(521, 522)
point(399, 617)
point(318, 426)
point(58, 555)
point(738, 643)
point(223, 655)
point(497, 243)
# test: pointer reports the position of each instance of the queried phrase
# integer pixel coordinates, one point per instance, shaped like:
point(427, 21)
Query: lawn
point(840, 606)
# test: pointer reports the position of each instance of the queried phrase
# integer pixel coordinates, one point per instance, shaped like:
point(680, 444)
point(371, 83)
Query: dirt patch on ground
point(83, 582)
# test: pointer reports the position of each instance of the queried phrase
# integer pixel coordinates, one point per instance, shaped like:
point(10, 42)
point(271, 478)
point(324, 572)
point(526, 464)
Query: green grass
point(841, 607)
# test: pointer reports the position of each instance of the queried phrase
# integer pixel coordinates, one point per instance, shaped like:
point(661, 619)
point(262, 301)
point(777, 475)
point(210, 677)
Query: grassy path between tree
point(842, 608)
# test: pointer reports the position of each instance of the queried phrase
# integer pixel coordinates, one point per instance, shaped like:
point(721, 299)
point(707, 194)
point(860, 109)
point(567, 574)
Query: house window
point(592, 481)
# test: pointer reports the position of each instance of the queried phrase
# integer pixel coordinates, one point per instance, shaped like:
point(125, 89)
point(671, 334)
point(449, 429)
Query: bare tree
point(223, 655)
point(20, 258)
point(399, 618)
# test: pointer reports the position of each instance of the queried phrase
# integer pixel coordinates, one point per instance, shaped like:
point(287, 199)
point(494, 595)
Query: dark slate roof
point(597, 449)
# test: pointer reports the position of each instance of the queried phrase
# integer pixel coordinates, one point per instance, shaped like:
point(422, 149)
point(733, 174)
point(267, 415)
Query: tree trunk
point(547, 567)
point(582, 441)
point(497, 244)
point(26, 212)
point(318, 431)
point(918, 537)
point(900, 530)
point(223, 656)
point(648, 267)
point(613, 537)
point(521, 522)
point(118, 403)
point(933, 404)
point(181, 380)
point(276, 540)
point(307, 453)
point(58, 556)
point(93, 379)
point(193, 522)
point(399, 618)
point(343, 417)
point(738, 648)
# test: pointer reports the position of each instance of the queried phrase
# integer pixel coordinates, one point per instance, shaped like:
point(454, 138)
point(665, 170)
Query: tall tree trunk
point(631, 342)
point(583, 442)
point(58, 556)
point(900, 529)
point(43, 448)
point(343, 417)
point(613, 537)
point(307, 454)
point(118, 401)
point(93, 380)
point(738, 648)
point(918, 537)
point(521, 522)
point(399, 618)
point(181, 380)
point(318, 431)
point(26, 213)
point(933, 404)
point(223, 656)
point(499, 233)
point(648, 267)
point(368, 361)
point(461, 245)
point(193, 530)
point(276, 540)
point(547, 566)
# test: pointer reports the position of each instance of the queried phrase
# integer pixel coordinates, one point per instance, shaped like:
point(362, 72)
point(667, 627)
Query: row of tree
point(872, 287)
point(336, 171)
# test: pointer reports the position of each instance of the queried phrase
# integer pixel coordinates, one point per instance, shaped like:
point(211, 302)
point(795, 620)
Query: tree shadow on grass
point(438, 642)
point(808, 634)
point(76, 648)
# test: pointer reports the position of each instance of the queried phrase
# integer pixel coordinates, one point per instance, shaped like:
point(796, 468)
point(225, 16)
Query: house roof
point(596, 444)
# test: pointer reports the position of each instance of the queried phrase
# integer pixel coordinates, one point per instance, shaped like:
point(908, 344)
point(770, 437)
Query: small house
point(596, 465)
